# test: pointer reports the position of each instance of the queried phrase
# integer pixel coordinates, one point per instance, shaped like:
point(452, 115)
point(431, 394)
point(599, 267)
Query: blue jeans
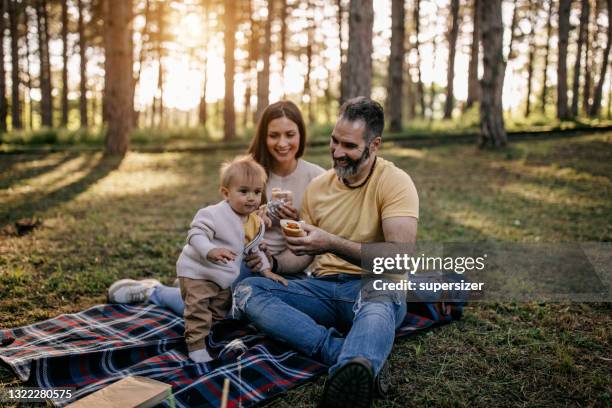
point(169, 297)
point(325, 318)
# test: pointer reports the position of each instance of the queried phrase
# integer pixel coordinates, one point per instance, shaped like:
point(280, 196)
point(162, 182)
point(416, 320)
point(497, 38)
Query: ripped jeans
point(324, 318)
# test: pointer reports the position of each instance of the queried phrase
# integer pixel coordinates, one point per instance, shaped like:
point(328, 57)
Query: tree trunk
point(396, 66)
point(251, 64)
point(586, 86)
point(609, 96)
point(343, 74)
point(64, 121)
point(492, 131)
point(160, 65)
point(263, 76)
point(584, 21)
point(144, 37)
point(46, 102)
point(546, 53)
point(533, 10)
point(596, 105)
point(119, 80)
point(283, 41)
point(160, 90)
point(591, 52)
point(432, 89)
point(564, 26)
point(450, 73)
point(417, 25)
point(153, 111)
point(83, 67)
point(202, 108)
point(409, 84)
point(202, 111)
point(3, 101)
point(359, 55)
point(94, 106)
point(513, 23)
point(26, 38)
point(14, 9)
point(229, 114)
point(473, 85)
point(411, 96)
point(328, 97)
point(307, 79)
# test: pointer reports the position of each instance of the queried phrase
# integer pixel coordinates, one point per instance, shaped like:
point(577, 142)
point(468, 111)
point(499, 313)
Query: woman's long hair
point(258, 148)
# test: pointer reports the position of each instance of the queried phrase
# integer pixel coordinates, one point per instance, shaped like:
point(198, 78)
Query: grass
point(105, 219)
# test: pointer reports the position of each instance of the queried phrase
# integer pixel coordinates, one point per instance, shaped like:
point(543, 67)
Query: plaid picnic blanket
point(96, 347)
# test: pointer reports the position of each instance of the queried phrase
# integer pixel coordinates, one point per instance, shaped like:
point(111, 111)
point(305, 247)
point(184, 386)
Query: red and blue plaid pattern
point(94, 348)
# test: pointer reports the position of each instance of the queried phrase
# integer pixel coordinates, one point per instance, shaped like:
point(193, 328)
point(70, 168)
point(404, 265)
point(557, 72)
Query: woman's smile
point(283, 140)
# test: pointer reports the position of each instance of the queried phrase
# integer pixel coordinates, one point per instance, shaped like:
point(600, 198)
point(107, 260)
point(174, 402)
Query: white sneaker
point(131, 291)
point(200, 356)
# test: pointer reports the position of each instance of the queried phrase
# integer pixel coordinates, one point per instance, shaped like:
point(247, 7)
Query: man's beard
point(353, 165)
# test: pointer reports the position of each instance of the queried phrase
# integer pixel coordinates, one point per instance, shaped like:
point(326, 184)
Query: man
point(364, 199)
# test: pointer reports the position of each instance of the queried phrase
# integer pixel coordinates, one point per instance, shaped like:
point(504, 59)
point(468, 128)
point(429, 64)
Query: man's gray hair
point(369, 111)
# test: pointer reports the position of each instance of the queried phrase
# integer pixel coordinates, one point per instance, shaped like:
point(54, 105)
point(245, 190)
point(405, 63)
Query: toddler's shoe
point(131, 291)
point(200, 356)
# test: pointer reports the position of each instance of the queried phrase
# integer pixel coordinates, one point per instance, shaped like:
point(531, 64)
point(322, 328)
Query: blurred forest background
point(162, 71)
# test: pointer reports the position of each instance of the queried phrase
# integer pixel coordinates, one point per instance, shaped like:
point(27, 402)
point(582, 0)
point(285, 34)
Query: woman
point(278, 146)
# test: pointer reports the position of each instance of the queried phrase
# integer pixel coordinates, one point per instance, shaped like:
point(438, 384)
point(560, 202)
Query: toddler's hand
point(221, 255)
point(253, 260)
point(277, 278)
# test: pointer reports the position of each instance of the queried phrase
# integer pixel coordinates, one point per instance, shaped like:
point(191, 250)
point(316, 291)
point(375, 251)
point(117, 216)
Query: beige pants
point(204, 301)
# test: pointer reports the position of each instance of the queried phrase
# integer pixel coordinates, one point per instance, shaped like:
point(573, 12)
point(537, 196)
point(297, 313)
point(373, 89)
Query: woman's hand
point(220, 255)
point(253, 260)
point(263, 214)
point(287, 211)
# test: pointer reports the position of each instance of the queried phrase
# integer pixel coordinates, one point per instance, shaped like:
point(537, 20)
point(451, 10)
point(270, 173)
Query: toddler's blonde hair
point(242, 168)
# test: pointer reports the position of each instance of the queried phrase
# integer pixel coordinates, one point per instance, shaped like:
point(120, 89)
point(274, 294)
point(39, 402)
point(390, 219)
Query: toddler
point(219, 236)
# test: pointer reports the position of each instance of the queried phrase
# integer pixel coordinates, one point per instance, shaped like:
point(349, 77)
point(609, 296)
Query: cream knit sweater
point(217, 226)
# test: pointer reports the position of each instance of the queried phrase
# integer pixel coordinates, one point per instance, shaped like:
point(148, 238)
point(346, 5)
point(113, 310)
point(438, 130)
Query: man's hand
point(277, 278)
point(315, 242)
point(287, 211)
point(253, 261)
point(220, 255)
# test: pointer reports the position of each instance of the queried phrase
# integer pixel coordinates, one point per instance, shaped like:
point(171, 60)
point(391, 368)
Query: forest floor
point(103, 219)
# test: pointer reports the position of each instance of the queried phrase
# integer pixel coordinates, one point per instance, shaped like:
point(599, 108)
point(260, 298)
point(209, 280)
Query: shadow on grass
point(591, 157)
point(477, 206)
point(42, 203)
point(10, 161)
point(19, 176)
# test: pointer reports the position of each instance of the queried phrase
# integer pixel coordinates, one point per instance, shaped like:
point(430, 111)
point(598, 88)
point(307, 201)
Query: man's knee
point(390, 309)
point(383, 309)
point(245, 290)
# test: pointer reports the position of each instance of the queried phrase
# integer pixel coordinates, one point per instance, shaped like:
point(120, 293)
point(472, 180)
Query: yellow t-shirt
point(251, 227)
point(356, 214)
